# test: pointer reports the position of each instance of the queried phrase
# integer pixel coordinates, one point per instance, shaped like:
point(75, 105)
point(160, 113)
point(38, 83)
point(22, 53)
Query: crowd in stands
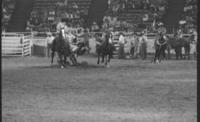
point(123, 5)
point(188, 21)
point(48, 18)
point(117, 7)
point(7, 10)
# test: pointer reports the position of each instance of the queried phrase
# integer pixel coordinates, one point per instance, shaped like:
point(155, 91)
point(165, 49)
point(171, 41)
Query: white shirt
point(121, 39)
point(110, 40)
point(50, 39)
point(70, 37)
point(141, 38)
point(195, 35)
point(59, 26)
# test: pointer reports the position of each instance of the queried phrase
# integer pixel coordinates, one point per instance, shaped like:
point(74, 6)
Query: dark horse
point(60, 46)
point(177, 44)
point(160, 45)
point(105, 50)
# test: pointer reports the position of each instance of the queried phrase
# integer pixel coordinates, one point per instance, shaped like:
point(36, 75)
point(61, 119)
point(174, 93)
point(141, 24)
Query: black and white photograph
point(99, 60)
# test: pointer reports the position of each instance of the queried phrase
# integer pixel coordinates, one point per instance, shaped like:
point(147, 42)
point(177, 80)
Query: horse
point(160, 45)
point(177, 44)
point(60, 46)
point(105, 50)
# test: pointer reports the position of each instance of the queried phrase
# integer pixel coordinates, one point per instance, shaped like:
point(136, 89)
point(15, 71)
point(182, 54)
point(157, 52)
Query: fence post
point(30, 45)
point(22, 43)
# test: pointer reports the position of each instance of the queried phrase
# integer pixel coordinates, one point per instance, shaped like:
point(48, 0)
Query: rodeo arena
point(99, 60)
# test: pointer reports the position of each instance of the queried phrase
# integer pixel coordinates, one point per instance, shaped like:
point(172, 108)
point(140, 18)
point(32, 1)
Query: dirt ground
point(128, 91)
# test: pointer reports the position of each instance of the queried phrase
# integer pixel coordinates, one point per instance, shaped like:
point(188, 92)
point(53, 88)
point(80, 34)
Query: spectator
point(74, 6)
point(95, 27)
point(109, 4)
point(143, 47)
point(132, 50)
point(50, 39)
point(121, 46)
point(179, 33)
point(137, 46)
point(145, 18)
point(66, 2)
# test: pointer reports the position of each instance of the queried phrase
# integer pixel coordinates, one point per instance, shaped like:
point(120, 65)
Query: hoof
point(107, 65)
point(157, 61)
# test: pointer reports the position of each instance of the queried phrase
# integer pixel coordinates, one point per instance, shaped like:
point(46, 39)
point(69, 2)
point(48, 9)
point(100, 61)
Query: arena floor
point(128, 91)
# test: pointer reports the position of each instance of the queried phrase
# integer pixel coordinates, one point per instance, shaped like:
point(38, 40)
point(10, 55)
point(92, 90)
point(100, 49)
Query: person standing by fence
point(132, 50)
point(137, 45)
point(121, 46)
point(143, 47)
point(50, 39)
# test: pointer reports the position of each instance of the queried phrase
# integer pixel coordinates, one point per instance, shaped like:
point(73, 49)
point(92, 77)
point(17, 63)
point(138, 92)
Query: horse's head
point(61, 33)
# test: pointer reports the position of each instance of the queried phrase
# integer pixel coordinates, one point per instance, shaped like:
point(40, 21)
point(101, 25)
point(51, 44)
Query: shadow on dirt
point(78, 66)
point(133, 67)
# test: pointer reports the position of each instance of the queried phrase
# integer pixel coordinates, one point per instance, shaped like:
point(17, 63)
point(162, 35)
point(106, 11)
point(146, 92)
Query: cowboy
point(160, 46)
point(161, 38)
point(193, 44)
point(162, 28)
point(98, 39)
point(50, 39)
point(133, 45)
point(70, 37)
point(121, 45)
point(136, 51)
point(143, 46)
point(179, 33)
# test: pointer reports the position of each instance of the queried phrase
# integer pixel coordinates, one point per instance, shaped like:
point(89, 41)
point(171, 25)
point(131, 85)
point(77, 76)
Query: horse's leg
point(156, 55)
point(102, 60)
point(169, 54)
point(52, 56)
point(177, 53)
point(60, 60)
point(188, 52)
point(159, 54)
point(65, 59)
point(180, 52)
point(106, 62)
point(164, 54)
point(98, 54)
point(109, 58)
point(73, 59)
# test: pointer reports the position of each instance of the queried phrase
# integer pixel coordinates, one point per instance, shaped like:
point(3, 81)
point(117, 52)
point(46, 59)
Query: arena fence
point(15, 44)
point(19, 44)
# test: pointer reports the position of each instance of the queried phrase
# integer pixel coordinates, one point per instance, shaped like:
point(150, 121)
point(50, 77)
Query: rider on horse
point(179, 34)
point(160, 46)
point(69, 38)
point(161, 39)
